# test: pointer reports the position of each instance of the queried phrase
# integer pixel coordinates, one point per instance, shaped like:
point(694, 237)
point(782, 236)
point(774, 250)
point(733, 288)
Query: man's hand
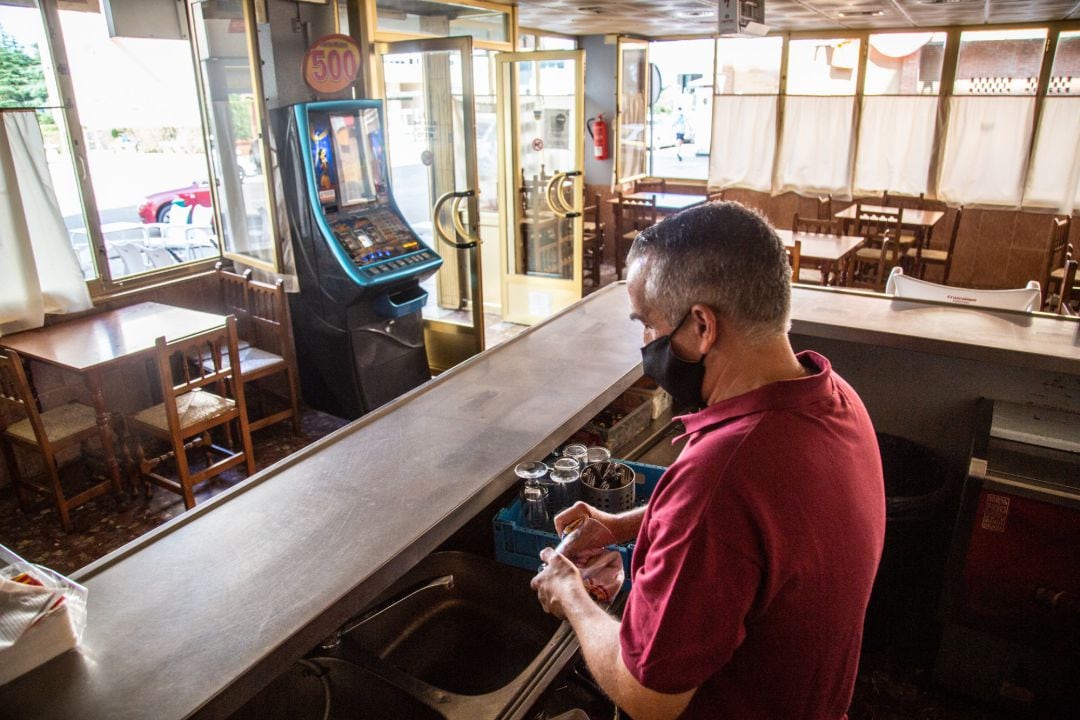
point(558, 585)
point(623, 526)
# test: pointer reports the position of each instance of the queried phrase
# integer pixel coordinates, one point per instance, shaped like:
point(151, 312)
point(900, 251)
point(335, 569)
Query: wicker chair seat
point(193, 408)
point(60, 423)
point(252, 360)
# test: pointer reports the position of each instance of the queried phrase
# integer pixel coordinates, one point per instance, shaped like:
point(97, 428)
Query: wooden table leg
point(826, 271)
point(97, 397)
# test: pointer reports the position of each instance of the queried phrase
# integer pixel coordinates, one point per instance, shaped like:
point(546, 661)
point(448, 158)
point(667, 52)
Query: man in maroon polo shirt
point(757, 551)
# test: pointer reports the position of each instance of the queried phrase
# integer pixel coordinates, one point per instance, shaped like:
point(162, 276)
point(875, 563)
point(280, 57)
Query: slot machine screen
point(358, 147)
point(322, 159)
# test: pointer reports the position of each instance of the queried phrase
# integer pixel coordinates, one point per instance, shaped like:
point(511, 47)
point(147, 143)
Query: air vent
point(696, 14)
point(861, 13)
point(594, 9)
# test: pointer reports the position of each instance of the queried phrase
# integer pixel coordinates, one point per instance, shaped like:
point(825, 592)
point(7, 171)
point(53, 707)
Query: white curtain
point(896, 140)
point(1054, 176)
point(986, 148)
point(39, 272)
point(743, 141)
point(815, 145)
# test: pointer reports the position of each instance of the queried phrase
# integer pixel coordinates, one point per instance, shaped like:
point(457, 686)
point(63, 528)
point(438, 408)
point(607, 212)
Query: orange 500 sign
point(331, 63)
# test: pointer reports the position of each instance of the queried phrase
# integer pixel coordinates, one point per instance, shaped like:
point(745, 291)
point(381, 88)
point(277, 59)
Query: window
point(631, 126)
point(899, 111)
point(991, 116)
point(23, 45)
point(438, 19)
point(745, 90)
point(146, 158)
point(680, 119)
point(1054, 177)
point(815, 142)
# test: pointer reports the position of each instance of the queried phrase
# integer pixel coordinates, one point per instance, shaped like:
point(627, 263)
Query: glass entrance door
point(431, 136)
point(541, 141)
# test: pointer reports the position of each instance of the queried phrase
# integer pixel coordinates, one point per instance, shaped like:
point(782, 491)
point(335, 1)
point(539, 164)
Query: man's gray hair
point(723, 255)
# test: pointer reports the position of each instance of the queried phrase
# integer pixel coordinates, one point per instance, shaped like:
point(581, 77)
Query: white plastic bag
point(42, 614)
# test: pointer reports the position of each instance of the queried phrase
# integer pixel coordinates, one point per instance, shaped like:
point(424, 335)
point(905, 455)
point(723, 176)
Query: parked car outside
point(156, 207)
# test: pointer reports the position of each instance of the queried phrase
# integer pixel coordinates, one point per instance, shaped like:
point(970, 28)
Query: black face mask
point(679, 377)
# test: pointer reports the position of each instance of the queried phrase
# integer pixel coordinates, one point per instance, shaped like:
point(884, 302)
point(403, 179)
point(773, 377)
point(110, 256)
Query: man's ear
point(708, 327)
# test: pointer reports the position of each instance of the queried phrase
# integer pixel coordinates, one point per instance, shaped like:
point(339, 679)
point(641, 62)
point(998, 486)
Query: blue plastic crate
point(519, 545)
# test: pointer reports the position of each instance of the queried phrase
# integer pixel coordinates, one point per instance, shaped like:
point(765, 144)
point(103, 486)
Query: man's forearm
point(598, 635)
point(628, 524)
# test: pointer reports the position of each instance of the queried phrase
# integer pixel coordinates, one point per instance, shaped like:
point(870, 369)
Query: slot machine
point(357, 318)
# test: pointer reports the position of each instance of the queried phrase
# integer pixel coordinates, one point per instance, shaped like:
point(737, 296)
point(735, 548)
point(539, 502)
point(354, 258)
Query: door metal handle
point(555, 198)
point(448, 236)
point(553, 195)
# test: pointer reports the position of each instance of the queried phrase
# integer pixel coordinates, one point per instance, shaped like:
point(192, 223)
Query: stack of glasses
point(550, 490)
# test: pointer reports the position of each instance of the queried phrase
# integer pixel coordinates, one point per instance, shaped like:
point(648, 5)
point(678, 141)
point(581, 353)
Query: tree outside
point(22, 80)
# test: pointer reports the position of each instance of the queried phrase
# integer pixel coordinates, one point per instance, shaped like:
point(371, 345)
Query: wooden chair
point(1070, 293)
point(882, 249)
point(815, 226)
point(593, 241)
point(824, 207)
point(47, 433)
point(919, 257)
point(794, 252)
point(195, 401)
point(717, 196)
point(264, 337)
point(653, 185)
point(1057, 255)
point(631, 216)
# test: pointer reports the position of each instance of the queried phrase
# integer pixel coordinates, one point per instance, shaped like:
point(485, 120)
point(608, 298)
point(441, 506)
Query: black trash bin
point(902, 615)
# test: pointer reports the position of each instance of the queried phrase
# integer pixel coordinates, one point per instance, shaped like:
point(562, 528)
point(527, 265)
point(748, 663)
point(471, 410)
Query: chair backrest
point(816, 226)
point(879, 224)
point(952, 244)
point(824, 207)
point(268, 313)
point(911, 202)
point(1068, 285)
point(234, 297)
point(197, 361)
point(131, 256)
point(717, 196)
point(159, 257)
point(16, 397)
point(1058, 246)
point(1025, 299)
point(651, 185)
point(637, 214)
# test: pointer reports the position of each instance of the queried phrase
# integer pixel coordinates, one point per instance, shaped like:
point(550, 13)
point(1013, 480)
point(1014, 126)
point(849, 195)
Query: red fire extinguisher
point(598, 131)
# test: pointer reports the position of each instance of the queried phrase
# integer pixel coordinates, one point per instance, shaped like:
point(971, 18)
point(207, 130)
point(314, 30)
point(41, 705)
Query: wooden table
point(666, 204)
point(826, 251)
point(92, 344)
point(921, 222)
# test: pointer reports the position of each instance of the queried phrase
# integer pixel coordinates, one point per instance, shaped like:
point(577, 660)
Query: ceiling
point(654, 18)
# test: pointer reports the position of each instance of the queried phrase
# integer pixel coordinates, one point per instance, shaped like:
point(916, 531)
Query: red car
point(156, 207)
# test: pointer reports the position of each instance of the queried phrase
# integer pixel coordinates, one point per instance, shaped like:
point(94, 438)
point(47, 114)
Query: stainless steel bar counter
point(1036, 341)
point(195, 617)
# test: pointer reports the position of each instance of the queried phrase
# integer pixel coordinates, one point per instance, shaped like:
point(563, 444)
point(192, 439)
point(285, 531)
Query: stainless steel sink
point(459, 637)
point(461, 633)
point(333, 689)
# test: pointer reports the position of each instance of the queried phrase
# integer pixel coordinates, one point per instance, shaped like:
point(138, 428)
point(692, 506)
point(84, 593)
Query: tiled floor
point(103, 525)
